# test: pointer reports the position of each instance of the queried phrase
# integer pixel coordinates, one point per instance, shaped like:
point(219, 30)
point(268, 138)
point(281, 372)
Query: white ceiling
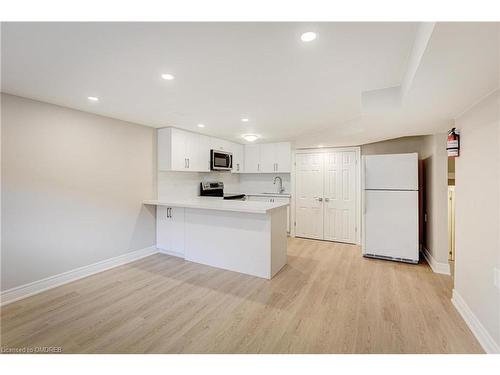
point(290, 90)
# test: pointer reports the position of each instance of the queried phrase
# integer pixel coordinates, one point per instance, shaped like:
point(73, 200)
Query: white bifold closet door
point(309, 196)
point(326, 196)
point(340, 196)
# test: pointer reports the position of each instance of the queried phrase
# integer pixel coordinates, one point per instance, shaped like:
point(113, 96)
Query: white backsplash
point(187, 184)
point(263, 183)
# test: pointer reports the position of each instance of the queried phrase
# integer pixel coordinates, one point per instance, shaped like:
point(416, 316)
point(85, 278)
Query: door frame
point(325, 150)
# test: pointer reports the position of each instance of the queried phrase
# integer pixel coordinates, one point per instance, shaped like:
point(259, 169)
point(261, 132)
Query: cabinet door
point(252, 158)
point(163, 239)
point(164, 149)
point(267, 158)
point(178, 150)
point(285, 200)
point(198, 152)
point(283, 157)
point(170, 229)
point(220, 144)
point(257, 198)
point(237, 151)
point(177, 229)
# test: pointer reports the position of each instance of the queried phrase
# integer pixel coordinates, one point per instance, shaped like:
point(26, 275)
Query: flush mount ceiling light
point(250, 137)
point(93, 98)
point(244, 120)
point(201, 125)
point(308, 36)
point(167, 76)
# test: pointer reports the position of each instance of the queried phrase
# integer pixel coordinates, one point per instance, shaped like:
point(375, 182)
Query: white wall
point(72, 186)
point(477, 223)
point(435, 165)
point(394, 146)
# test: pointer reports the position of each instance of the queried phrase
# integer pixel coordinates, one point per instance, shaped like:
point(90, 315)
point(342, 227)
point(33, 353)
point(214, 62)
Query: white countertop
point(209, 203)
point(274, 195)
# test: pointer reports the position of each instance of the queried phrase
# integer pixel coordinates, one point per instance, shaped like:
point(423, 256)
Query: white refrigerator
point(390, 207)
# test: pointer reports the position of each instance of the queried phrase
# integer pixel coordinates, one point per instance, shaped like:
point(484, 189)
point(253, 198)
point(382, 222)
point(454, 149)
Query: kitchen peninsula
point(242, 236)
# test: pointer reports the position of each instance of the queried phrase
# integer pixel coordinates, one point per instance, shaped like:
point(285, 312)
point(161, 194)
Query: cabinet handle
point(327, 199)
point(258, 166)
point(238, 167)
point(319, 199)
point(188, 162)
point(276, 167)
point(168, 213)
point(185, 163)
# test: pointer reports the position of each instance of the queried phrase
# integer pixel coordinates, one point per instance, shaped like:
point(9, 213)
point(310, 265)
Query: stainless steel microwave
point(221, 160)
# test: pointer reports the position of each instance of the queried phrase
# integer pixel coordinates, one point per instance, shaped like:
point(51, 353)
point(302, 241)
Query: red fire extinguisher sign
point(453, 143)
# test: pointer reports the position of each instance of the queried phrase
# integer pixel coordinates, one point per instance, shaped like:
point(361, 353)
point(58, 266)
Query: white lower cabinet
point(273, 199)
point(170, 229)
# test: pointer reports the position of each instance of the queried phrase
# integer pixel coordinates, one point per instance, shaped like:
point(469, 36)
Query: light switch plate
point(496, 277)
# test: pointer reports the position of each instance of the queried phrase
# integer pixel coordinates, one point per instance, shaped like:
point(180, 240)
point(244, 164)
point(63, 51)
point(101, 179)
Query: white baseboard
point(437, 267)
point(487, 342)
point(173, 253)
point(27, 290)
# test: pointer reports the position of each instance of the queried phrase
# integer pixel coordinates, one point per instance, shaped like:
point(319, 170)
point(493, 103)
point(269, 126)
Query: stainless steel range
point(216, 189)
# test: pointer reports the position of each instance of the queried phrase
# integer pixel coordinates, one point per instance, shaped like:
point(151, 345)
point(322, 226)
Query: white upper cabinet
point(179, 150)
point(221, 144)
point(283, 157)
point(198, 152)
point(238, 158)
point(268, 158)
point(252, 158)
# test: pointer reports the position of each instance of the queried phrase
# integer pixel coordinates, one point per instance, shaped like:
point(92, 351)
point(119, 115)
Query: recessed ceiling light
point(250, 137)
point(244, 120)
point(93, 98)
point(201, 125)
point(167, 76)
point(308, 36)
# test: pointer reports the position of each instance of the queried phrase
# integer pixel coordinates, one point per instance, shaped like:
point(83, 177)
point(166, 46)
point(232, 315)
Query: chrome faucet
point(281, 189)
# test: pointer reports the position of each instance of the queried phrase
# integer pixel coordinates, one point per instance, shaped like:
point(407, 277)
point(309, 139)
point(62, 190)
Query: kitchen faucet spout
point(280, 186)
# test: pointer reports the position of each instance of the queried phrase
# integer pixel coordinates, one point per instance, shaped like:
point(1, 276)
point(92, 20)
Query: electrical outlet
point(496, 277)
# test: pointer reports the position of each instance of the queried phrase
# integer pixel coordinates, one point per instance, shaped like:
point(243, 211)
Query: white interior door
point(340, 196)
point(309, 195)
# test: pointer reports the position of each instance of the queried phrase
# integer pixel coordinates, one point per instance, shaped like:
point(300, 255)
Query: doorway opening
point(451, 215)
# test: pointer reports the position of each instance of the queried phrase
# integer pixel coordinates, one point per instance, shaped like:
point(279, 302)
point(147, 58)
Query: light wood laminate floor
point(328, 299)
